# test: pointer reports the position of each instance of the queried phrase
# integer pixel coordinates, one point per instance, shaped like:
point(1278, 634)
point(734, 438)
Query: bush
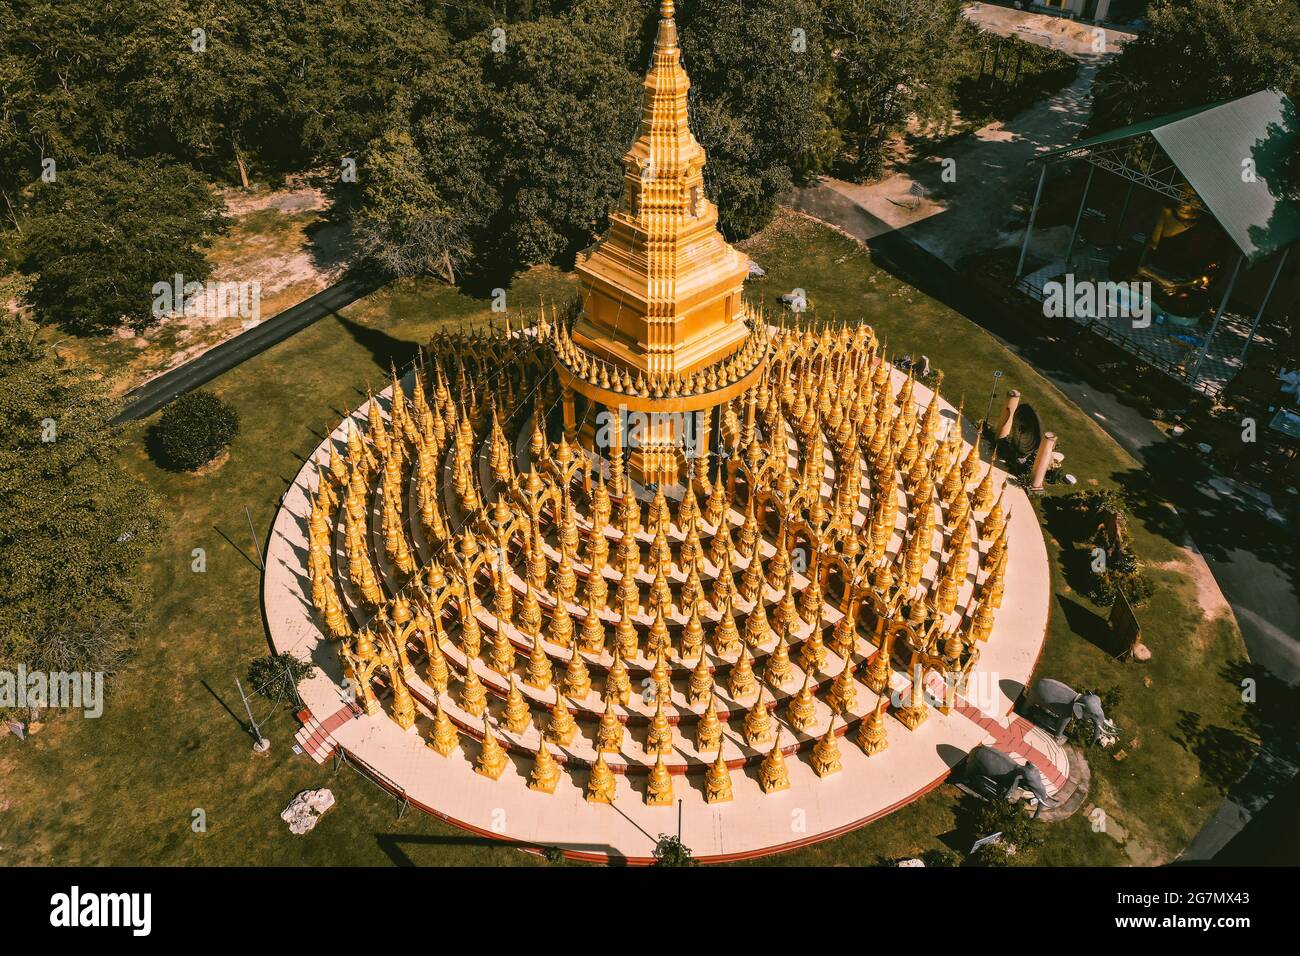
point(1020, 831)
point(276, 676)
point(670, 851)
point(194, 430)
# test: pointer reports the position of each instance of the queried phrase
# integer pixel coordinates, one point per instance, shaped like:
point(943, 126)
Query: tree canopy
point(74, 527)
point(1197, 52)
point(104, 233)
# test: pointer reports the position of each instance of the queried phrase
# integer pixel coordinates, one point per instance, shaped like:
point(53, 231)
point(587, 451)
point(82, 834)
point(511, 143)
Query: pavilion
point(1216, 217)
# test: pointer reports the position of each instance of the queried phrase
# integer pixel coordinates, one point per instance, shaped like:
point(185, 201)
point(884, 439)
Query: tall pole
point(1263, 305)
point(1078, 217)
point(1214, 326)
point(262, 744)
point(1033, 214)
point(257, 545)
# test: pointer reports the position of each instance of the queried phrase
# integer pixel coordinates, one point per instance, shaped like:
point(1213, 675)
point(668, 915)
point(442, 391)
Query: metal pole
point(1078, 217)
point(1033, 214)
point(1263, 305)
point(997, 374)
point(262, 743)
point(1123, 211)
point(257, 545)
point(1214, 326)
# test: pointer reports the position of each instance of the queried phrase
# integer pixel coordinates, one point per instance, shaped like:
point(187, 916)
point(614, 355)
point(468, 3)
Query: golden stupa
point(664, 330)
point(481, 564)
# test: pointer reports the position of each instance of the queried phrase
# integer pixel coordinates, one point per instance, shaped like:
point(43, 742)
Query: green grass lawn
point(124, 789)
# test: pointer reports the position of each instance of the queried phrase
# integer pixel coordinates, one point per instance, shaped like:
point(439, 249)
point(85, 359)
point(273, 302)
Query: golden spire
point(601, 783)
point(445, 738)
point(772, 773)
point(708, 729)
point(491, 760)
point(546, 772)
point(717, 781)
point(609, 735)
point(562, 727)
point(659, 789)
point(517, 714)
point(826, 753)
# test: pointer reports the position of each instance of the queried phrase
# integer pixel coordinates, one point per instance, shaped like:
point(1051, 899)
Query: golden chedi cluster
point(502, 590)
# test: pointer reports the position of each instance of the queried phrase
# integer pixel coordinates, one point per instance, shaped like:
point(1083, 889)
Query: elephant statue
point(989, 769)
point(1054, 704)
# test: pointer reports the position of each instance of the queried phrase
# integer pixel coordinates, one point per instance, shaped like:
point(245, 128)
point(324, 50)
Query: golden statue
point(740, 680)
point(473, 695)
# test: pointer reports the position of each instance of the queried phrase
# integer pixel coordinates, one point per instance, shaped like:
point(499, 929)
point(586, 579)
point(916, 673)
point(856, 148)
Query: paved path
point(157, 392)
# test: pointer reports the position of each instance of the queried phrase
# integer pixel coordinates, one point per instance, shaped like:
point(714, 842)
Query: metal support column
point(1214, 326)
point(1078, 218)
point(1263, 305)
point(1029, 228)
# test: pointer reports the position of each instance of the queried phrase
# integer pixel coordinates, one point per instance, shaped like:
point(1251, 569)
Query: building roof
point(1211, 145)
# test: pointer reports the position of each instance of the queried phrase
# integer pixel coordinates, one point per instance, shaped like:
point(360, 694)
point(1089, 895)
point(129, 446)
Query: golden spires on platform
point(609, 735)
point(473, 695)
point(708, 729)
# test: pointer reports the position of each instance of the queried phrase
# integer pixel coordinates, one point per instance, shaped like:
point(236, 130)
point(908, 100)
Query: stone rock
point(306, 809)
point(912, 862)
point(1139, 652)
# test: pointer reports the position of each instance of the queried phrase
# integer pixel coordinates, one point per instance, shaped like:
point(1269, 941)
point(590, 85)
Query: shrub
point(194, 430)
point(276, 676)
point(670, 851)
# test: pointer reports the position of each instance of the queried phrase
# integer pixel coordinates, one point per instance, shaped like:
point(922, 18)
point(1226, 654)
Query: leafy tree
point(193, 430)
point(1197, 52)
point(74, 527)
point(894, 60)
point(402, 223)
point(104, 233)
point(760, 88)
point(277, 676)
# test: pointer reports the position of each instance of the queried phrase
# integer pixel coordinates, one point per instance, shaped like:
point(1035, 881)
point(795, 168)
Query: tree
point(193, 430)
point(402, 223)
point(894, 60)
point(1197, 52)
point(74, 526)
point(104, 233)
point(760, 89)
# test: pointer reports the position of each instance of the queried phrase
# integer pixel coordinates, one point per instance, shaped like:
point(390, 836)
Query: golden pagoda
point(664, 328)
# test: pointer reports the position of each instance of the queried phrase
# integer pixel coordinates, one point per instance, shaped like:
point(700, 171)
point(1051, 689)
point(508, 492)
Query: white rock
point(306, 809)
point(912, 862)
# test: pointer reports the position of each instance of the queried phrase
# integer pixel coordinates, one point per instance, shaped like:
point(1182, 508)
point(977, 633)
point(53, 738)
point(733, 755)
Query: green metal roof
point(1210, 146)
